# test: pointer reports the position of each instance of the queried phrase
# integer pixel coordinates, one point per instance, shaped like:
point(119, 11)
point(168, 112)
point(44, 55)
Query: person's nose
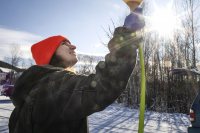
point(72, 47)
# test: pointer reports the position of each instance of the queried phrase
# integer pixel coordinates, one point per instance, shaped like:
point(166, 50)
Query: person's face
point(66, 52)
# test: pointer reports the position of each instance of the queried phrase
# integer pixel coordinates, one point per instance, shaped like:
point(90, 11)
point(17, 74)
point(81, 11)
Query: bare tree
point(31, 62)
point(190, 24)
point(14, 59)
point(87, 64)
point(15, 56)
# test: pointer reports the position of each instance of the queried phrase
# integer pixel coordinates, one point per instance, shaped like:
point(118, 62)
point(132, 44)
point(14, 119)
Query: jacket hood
point(28, 80)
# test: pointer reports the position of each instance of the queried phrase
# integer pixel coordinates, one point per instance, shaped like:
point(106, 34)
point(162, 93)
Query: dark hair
point(56, 61)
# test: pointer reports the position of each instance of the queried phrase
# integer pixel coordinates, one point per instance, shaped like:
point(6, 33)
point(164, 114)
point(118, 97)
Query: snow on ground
point(6, 107)
point(116, 119)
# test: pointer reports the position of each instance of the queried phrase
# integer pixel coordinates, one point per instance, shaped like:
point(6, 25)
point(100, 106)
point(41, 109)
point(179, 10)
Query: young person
point(48, 98)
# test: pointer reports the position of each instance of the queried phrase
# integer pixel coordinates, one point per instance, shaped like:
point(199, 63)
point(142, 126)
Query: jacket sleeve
point(79, 96)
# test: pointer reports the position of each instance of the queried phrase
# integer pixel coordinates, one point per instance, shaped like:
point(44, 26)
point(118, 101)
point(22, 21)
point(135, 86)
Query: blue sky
point(24, 22)
point(79, 20)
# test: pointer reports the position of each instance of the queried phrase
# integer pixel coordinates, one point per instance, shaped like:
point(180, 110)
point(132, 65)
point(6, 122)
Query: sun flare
point(164, 22)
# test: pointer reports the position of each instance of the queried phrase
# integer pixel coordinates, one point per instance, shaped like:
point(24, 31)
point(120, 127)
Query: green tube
point(143, 91)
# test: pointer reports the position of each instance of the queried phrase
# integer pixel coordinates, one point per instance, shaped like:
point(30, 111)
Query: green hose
point(143, 91)
point(133, 5)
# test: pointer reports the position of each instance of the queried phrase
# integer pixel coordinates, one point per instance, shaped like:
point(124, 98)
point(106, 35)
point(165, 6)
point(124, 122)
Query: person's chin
point(74, 61)
point(74, 54)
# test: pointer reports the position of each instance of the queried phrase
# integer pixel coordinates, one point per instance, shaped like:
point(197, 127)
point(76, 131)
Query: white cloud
point(9, 37)
point(97, 49)
point(95, 53)
point(98, 45)
point(117, 7)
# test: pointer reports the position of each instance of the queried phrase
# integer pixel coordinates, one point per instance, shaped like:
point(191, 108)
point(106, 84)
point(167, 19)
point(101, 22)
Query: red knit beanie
point(43, 51)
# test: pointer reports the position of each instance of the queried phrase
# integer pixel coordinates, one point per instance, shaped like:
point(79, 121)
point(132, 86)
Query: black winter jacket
point(48, 99)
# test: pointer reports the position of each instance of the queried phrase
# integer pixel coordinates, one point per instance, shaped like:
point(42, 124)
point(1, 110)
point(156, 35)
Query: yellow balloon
point(133, 4)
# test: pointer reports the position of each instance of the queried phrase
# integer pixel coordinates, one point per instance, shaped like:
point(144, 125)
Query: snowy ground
point(5, 110)
point(116, 119)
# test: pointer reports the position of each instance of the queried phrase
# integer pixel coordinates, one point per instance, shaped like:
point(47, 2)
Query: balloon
point(133, 4)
